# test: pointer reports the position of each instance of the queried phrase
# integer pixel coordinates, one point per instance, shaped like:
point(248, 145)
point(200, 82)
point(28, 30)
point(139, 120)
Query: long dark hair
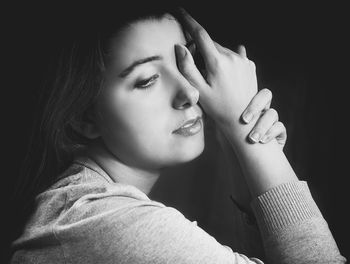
point(72, 93)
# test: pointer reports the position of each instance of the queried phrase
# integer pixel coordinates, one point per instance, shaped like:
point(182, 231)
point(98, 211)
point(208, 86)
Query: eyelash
point(146, 83)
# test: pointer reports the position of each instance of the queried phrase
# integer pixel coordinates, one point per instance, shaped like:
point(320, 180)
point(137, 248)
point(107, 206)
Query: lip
point(190, 127)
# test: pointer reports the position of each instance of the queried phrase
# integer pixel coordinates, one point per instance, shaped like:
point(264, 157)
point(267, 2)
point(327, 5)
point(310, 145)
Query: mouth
point(190, 127)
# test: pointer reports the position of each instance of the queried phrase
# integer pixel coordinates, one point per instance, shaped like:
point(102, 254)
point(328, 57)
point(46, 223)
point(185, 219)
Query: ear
point(86, 127)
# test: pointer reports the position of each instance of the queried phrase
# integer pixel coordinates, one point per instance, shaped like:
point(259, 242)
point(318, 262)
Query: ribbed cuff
point(283, 206)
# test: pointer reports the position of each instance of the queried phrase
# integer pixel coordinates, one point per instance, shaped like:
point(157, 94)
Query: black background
point(300, 54)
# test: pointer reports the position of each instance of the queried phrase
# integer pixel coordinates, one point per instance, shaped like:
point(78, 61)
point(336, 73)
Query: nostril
point(185, 99)
point(187, 105)
point(182, 105)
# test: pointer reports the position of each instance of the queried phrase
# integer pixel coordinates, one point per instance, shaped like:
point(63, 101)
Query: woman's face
point(140, 107)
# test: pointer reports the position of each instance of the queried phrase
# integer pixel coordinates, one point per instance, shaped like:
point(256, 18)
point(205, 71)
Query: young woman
point(129, 101)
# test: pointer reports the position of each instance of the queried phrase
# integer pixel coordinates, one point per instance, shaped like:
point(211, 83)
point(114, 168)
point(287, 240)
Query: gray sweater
point(85, 217)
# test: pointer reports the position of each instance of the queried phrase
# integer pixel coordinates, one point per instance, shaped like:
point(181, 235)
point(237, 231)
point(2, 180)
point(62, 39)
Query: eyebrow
point(136, 63)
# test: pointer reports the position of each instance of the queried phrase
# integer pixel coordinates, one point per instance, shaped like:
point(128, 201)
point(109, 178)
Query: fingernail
point(181, 51)
point(247, 117)
point(264, 139)
point(255, 136)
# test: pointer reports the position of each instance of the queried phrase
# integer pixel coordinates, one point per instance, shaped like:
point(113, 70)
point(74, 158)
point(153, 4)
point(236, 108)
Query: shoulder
point(83, 190)
point(115, 221)
point(84, 185)
point(99, 221)
point(114, 227)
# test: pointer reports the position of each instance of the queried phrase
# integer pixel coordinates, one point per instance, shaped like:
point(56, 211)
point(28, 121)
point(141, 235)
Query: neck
point(142, 179)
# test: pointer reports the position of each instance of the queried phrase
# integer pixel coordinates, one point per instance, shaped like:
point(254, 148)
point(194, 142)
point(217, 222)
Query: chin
point(188, 154)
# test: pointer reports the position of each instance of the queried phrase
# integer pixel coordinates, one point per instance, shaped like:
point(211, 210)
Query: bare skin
point(231, 83)
point(124, 111)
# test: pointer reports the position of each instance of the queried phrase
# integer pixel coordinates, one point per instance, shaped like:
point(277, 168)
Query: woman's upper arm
point(142, 233)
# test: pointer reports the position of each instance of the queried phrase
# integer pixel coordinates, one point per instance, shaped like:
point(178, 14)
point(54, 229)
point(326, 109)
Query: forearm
point(264, 166)
point(291, 225)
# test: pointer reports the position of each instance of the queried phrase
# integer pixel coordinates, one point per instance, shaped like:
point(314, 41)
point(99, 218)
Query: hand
point(229, 85)
point(230, 79)
point(267, 127)
point(267, 124)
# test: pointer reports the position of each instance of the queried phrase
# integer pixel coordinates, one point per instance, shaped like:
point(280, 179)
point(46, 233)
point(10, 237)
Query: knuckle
point(194, 95)
point(200, 33)
point(185, 67)
point(278, 128)
point(231, 56)
point(280, 125)
point(252, 64)
point(218, 63)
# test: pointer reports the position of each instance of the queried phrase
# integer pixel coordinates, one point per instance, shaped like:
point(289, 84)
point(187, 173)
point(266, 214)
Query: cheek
point(135, 121)
point(139, 135)
point(138, 129)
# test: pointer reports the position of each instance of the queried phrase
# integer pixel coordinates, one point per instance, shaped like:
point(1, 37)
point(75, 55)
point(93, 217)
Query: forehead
point(144, 38)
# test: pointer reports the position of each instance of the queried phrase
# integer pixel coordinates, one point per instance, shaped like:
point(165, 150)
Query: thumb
point(188, 68)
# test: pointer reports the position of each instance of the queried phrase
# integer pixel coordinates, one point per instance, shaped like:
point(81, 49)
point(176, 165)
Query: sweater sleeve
point(106, 228)
point(292, 226)
point(125, 230)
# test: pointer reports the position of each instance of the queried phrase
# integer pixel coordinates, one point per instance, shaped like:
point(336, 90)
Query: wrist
point(236, 131)
point(264, 165)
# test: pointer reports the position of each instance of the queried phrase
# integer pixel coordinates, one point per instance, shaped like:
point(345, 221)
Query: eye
point(146, 83)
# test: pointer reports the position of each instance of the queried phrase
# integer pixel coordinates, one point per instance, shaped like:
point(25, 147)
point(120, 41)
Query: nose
point(186, 95)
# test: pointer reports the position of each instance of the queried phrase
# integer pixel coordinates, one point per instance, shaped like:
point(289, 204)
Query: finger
point(264, 123)
point(223, 49)
point(278, 131)
point(260, 103)
point(227, 51)
point(242, 51)
point(201, 38)
point(188, 68)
